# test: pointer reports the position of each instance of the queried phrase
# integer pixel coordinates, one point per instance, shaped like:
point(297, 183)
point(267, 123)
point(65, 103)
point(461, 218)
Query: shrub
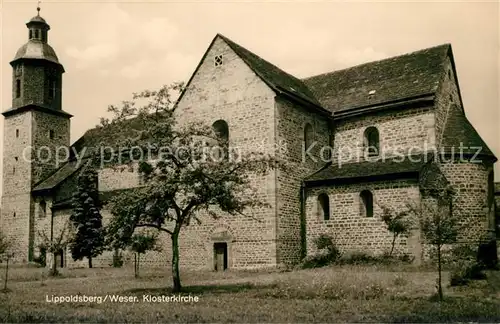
point(465, 266)
point(41, 259)
point(329, 253)
point(315, 261)
point(465, 272)
point(487, 255)
point(356, 258)
point(359, 258)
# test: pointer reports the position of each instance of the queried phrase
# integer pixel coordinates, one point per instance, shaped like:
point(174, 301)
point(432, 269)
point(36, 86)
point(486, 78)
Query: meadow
point(348, 293)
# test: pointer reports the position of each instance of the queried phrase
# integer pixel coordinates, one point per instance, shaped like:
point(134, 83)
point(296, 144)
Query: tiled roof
point(431, 177)
point(104, 197)
point(276, 78)
point(405, 76)
point(367, 169)
point(107, 136)
point(458, 132)
point(59, 176)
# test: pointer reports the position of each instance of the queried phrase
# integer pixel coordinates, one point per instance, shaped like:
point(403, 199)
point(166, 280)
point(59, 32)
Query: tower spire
point(38, 8)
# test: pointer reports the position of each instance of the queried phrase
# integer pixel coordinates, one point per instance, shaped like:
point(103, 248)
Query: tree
point(5, 255)
point(140, 244)
point(185, 175)
point(86, 217)
point(398, 223)
point(56, 244)
point(439, 224)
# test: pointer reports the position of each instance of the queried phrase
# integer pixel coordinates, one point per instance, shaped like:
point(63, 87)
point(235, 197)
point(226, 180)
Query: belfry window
point(52, 89)
point(18, 88)
point(36, 33)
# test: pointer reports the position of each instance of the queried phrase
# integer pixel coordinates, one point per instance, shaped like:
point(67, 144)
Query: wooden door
point(220, 256)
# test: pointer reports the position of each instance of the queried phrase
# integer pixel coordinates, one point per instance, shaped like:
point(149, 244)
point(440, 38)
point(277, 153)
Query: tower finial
point(38, 8)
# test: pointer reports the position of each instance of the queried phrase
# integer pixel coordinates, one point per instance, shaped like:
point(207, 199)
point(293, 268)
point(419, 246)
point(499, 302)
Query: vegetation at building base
point(5, 255)
point(183, 181)
point(398, 224)
point(140, 244)
point(361, 293)
point(88, 241)
point(54, 244)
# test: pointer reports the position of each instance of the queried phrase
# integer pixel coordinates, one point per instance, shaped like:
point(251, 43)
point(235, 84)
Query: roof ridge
point(275, 77)
point(445, 45)
point(467, 133)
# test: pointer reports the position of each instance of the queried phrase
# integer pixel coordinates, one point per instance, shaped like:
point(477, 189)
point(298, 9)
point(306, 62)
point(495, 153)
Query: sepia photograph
point(249, 161)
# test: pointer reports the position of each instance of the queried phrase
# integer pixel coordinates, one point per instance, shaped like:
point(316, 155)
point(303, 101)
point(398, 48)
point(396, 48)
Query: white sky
point(111, 49)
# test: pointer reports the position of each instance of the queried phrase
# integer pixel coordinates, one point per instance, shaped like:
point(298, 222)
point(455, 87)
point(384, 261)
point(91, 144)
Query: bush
point(325, 242)
point(329, 253)
point(465, 272)
point(359, 258)
point(465, 266)
point(487, 255)
point(315, 261)
point(41, 260)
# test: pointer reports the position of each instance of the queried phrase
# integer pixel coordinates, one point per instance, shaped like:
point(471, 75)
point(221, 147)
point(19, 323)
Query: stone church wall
point(409, 131)
point(290, 122)
point(470, 180)
point(353, 232)
point(446, 96)
point(233, 93)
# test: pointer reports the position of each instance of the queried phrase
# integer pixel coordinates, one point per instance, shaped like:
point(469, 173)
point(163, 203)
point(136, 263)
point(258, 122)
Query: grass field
point(332, 294)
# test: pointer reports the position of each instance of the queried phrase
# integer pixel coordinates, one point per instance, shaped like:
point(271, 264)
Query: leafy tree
point(5, 255)
point(184, 173)
point(86, 217)
point(55, 244)
point(398, 223)
point(439, 224)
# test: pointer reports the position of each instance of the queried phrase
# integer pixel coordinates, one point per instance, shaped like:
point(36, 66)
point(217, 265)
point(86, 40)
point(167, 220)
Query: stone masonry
point(270, 111)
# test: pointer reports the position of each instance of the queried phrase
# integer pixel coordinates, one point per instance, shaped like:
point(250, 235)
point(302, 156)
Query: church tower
point(35, 130)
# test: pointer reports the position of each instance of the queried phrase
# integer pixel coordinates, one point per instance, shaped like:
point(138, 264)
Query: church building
point(357, 140)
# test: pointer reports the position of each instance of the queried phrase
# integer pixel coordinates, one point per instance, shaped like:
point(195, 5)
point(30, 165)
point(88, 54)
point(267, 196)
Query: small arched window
point(43, 208)
point(308, 135)
point(221, 130)
point(371, 141)
point(324, 206)
point(366, 203)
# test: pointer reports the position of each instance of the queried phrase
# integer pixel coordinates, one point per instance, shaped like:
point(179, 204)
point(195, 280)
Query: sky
point(112, 49)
